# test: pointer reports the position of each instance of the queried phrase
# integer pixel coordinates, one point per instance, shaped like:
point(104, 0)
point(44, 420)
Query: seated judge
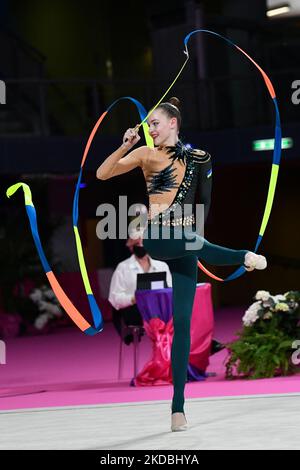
point(123, 285)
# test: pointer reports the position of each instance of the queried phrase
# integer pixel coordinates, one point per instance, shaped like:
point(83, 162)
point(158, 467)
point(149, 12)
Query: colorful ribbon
point(276, 153)
point(62, 297)
point(276, 157)
point(66, 303)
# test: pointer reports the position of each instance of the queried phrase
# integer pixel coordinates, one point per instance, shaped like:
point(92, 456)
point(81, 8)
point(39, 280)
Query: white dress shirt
point(123, 281)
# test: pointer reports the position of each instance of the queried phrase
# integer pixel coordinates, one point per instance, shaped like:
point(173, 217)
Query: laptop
point(152, 281)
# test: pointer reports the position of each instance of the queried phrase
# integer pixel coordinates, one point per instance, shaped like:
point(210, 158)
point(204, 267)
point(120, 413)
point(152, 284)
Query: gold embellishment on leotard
point(187, 220)
point(199, 156)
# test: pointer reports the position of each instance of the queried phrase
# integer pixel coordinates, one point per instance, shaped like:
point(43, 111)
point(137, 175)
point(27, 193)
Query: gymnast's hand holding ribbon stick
point(131, 137)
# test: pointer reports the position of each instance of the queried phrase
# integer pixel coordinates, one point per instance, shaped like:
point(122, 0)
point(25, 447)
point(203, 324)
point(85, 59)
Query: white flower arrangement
point(264, 347)
point(267, 305)
point(47, 304)
point(262, 295)
point(279, 298)
point(251, 314)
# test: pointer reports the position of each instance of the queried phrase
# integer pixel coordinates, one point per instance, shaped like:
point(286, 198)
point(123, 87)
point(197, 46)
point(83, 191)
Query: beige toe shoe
point(179, 422)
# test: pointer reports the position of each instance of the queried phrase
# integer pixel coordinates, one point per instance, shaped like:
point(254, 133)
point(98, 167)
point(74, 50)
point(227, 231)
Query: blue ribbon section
point(31, 212)
point(277, 142)
point(96, 313)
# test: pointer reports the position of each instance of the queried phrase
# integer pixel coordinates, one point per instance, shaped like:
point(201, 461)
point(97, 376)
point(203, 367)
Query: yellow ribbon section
point(270, 198)
point(83, 270)
point(158, 103)
point(148, 138)
point(27, 193)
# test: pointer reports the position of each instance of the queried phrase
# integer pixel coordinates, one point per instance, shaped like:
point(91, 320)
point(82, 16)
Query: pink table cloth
point(156, 307)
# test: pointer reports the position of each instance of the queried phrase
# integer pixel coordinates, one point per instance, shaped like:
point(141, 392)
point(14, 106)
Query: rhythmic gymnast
point(173, 172)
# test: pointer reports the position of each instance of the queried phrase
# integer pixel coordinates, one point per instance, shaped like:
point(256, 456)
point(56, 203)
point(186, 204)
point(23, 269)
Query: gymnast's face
point(162, 129)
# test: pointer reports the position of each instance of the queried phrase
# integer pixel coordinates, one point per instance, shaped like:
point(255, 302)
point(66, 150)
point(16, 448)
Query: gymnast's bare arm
point(117, 164)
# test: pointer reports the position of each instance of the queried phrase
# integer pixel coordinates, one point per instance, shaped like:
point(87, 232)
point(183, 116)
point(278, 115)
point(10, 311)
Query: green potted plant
point(265, 345)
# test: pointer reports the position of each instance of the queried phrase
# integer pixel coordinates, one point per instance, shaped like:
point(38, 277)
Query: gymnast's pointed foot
point(179, 422)
point(254, 261)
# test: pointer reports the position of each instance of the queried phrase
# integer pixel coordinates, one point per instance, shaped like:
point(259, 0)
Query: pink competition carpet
point(68, 368)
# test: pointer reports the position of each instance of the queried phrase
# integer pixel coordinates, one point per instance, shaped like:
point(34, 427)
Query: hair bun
point(174, 101)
